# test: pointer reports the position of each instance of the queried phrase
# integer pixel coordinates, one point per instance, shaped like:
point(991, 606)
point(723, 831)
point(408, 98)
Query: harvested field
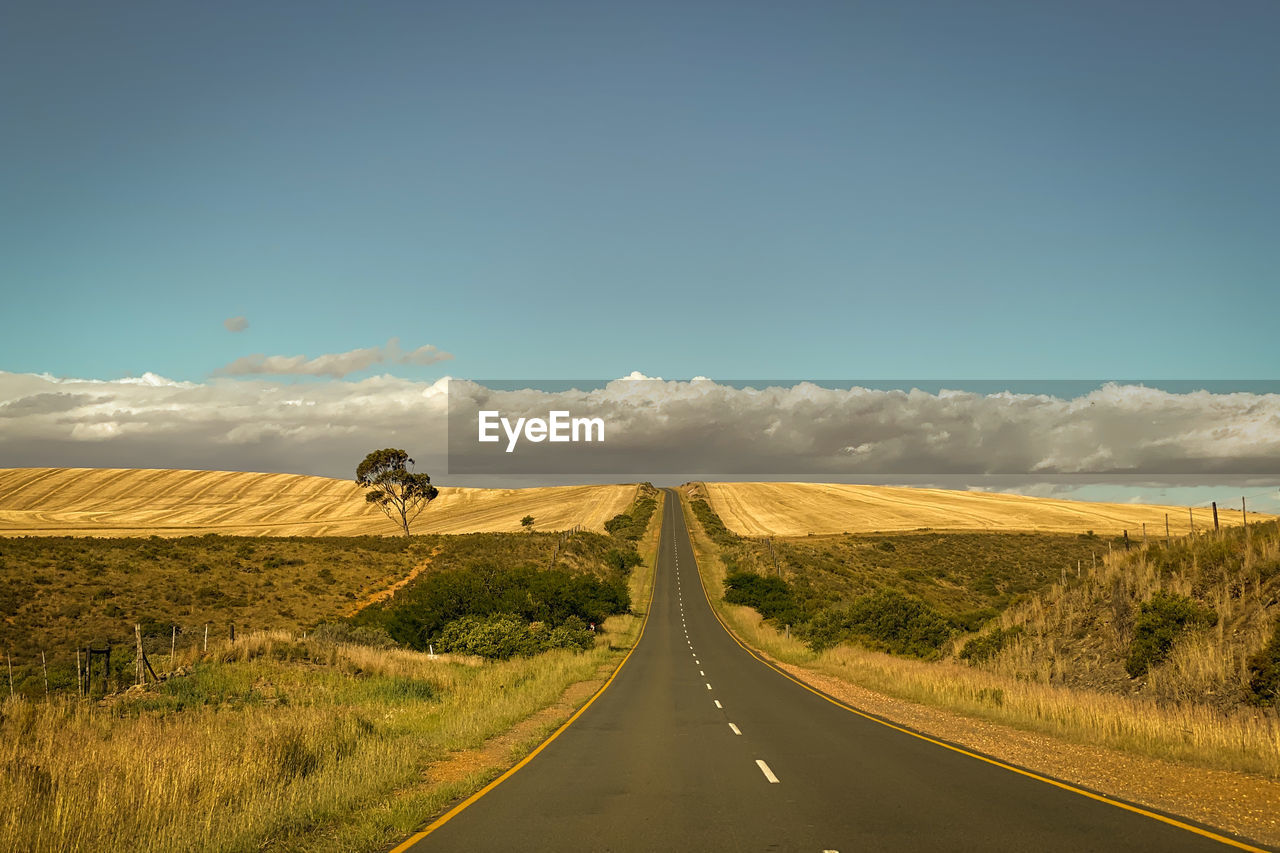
point(167, 502)
point(796, 509)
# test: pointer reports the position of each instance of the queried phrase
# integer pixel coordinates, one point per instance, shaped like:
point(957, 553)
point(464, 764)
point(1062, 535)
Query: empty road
point(696, 745)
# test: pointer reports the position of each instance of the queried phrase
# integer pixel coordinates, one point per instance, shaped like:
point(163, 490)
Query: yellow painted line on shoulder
point(1065, 786)
point(471, 800)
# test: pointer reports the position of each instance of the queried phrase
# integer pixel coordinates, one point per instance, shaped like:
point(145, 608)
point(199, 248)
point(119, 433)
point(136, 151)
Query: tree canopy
point(393, 488)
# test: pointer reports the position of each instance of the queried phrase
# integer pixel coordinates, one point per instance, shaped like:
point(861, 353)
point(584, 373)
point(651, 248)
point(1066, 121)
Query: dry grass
point(141, 502)
point(1079, 634)
point(281, 743)
point(796, 509)
point(1242, 740)
point(291, 747)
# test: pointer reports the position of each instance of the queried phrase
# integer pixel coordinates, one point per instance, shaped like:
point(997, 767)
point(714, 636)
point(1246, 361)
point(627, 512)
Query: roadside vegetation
point(329, 734)
point(908, 593)
point(1168, 650)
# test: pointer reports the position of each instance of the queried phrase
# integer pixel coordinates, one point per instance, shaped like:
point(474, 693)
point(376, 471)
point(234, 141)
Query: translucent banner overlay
point(702, 428)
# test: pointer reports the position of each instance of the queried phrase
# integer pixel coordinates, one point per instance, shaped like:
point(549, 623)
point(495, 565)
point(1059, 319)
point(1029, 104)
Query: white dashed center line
point(718, 705)
point(708, 685)
point(768, 774)
point(736, 730)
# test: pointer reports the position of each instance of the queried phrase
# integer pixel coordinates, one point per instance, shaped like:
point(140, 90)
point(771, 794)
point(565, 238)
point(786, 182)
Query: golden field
point(796, 509)
point(145, 502)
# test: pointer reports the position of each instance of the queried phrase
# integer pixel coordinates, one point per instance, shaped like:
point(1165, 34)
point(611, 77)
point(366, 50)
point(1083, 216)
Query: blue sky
point(880, 189)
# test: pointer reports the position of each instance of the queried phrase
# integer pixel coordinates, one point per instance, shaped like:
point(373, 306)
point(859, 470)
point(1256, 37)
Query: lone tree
point(393, 487)
point(527, 522)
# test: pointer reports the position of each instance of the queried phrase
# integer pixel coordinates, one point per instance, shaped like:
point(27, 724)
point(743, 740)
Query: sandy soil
point(143, 502)
point(796, 509)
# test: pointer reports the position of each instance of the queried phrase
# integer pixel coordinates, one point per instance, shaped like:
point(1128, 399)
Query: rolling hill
point(145, 502)
point(796, 509)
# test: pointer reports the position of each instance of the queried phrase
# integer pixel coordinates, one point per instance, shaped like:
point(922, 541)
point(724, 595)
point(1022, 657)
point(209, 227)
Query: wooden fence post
point(1166, 528)
point(173, 644)
point(137, 666)
point(1215, 516)
point(206, 637)
point(44, 666)
point(79, 678)
point(10, 660)
point(1126, 540)
point(1244, 519)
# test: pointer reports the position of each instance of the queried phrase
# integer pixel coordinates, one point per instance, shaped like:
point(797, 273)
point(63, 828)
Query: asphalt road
point(697, 745)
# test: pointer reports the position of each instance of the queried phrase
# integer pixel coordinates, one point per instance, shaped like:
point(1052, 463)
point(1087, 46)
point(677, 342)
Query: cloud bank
point(685, 429)
point(236, 324)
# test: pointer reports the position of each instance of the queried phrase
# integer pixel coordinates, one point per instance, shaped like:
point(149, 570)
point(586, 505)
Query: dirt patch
point(384, 594)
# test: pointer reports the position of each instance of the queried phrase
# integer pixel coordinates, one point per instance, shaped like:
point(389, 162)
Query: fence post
point(137, 666)
point(173, 643)
point(1166, 528)
point(44, 666)
point(1244, 519)
point(79, 679)
point(10, 660)
point(206, 637)
point(1126, 540)
point(1215, 516)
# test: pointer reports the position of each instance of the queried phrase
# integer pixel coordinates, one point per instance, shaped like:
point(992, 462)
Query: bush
point(1161, 621)
point(418, 614)
point(374, 636)
point(987, 646)
point(623, 559)
point(1264, 673)
point(505, 635)
point(630, 525)
point(888, 620)
point(500, 636)
point(772, 597)
point(711, 522)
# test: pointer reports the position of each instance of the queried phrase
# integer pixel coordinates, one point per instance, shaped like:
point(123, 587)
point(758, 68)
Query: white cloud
point(332, 365)
point(698, 428)
point(236, 324)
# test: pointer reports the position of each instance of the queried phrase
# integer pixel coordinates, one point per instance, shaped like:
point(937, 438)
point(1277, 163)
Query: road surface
point(697, 745)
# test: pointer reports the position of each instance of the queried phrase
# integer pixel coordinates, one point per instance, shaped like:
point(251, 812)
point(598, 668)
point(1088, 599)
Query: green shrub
point(1264, 673)
point(987, 646)
point(1161, 621)
point(771, 596)
point(711, 522)
point(623, 559)
point(887, 620)
point(357, 635)
point(631, 525)
point(500, 636)
point(418, 613)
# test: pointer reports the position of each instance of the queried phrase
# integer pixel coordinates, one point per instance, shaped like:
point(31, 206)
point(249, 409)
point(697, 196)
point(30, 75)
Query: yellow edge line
point(460, 807)
point(1230, 842)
